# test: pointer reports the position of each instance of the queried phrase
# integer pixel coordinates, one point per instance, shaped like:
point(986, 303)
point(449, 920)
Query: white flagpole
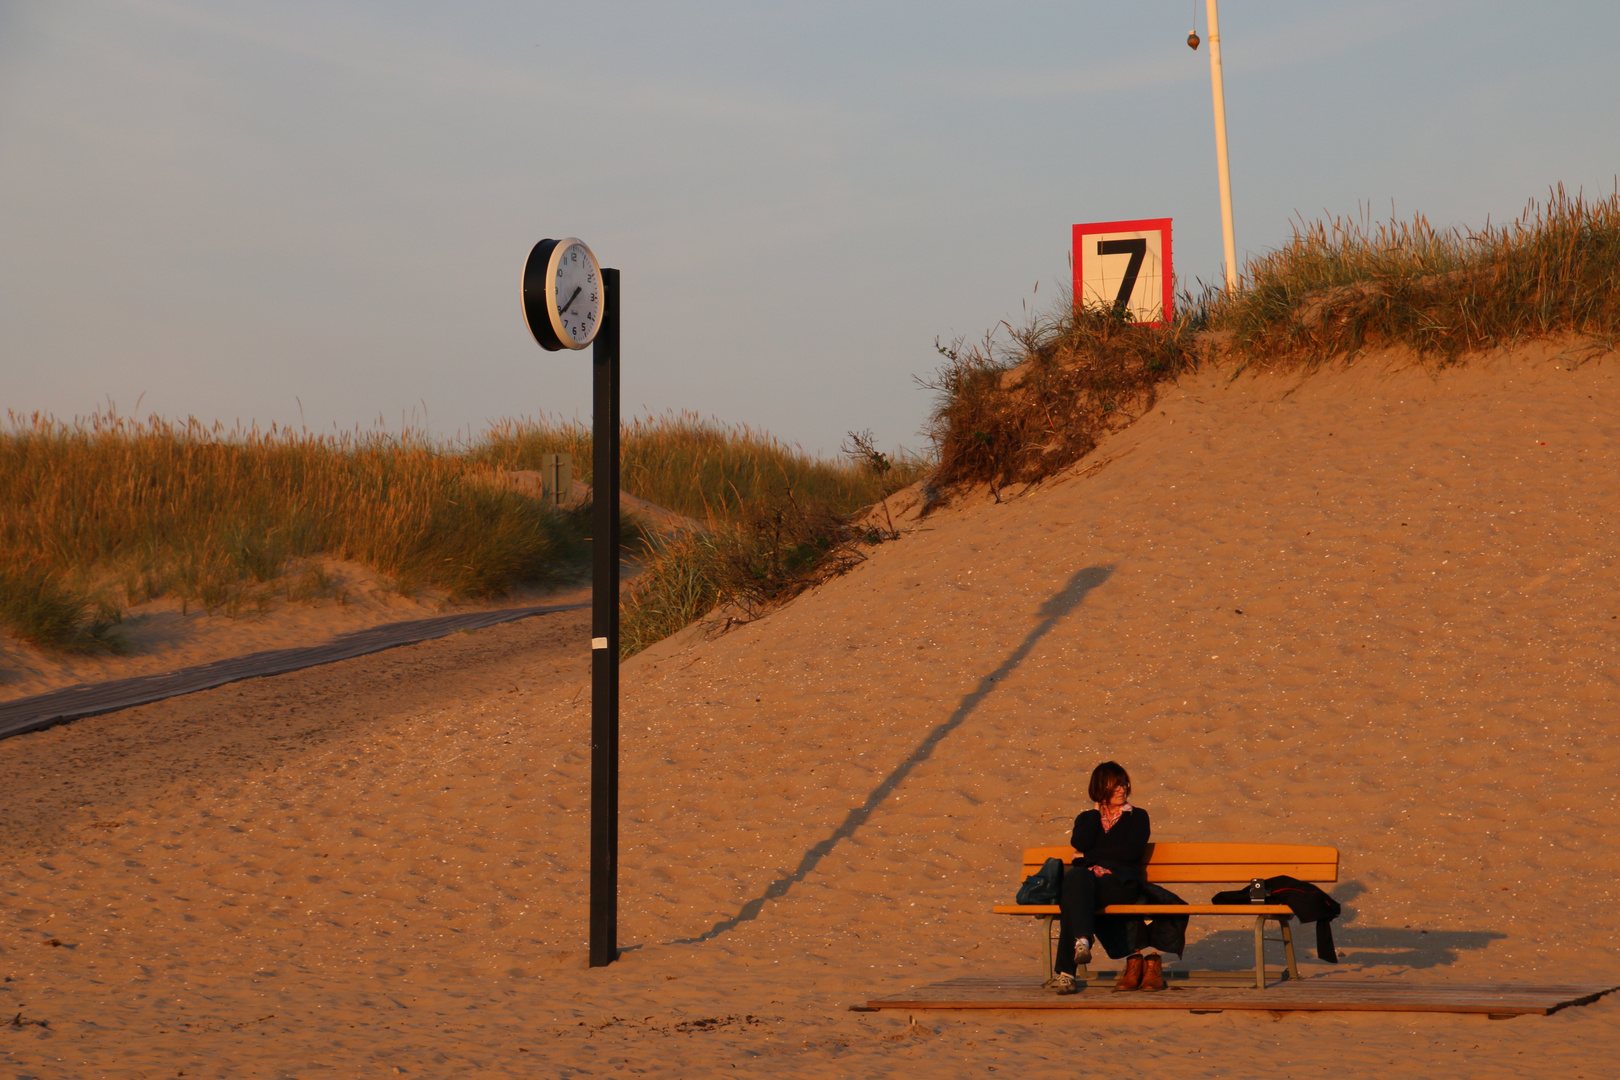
point(1220, 145)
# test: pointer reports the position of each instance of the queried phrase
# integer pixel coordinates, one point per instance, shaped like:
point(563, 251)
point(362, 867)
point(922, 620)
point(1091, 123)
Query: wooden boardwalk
point(1219, 991)
point(91, 699)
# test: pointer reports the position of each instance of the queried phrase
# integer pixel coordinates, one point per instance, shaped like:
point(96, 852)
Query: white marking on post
point(598, 642)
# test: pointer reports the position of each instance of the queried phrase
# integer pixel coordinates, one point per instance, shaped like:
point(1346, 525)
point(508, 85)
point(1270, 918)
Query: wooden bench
point(1177, 863)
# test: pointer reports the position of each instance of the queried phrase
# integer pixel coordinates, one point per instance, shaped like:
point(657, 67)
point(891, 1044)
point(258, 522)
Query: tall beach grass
point(703, 468)
point(110, 511)
point(1339, 285)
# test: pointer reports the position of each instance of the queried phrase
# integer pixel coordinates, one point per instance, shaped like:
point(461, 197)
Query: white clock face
point(577, 295)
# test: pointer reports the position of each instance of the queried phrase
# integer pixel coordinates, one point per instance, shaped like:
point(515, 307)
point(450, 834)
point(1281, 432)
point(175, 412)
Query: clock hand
point(577, 290)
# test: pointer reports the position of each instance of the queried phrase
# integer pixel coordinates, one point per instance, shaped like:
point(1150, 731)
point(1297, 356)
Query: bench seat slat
point(1190, 874)
point(1197, 909)
point(1027, 909)
point(1243, 872)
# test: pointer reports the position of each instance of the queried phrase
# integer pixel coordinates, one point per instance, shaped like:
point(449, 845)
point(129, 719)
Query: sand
point(1374, 608)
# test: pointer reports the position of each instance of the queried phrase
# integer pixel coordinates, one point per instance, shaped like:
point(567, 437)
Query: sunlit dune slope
point(1374, 607)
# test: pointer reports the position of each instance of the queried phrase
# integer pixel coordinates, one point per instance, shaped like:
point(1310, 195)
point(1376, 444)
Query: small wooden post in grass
point(556, 479)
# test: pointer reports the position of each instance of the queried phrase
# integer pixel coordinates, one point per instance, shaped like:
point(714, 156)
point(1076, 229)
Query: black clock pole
point(605, 630)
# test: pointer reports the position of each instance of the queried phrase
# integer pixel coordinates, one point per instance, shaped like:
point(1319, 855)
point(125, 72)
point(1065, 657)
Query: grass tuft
point(680, 582)
point(781, 546)
point(45, 611)
point(1016, 412)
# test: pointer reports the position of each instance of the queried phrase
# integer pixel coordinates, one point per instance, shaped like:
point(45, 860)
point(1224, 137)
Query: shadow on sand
point(1059, 605)
point(1364, 946)
point(1395, 946)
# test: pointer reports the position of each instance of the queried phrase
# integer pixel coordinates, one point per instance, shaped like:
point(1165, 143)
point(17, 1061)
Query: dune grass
point(1021, 408)
point(109, 511)
point(779, 547)
point(1019, 411)
point(1340, 286)
point(775, 520)
point(43, 608)
point(703, 468)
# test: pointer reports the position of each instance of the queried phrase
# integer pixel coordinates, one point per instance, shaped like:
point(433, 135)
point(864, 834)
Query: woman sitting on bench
point(1111, 841)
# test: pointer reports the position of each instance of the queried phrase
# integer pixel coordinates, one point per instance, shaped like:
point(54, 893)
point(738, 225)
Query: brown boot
point(1153, 973)
point(1130, 978)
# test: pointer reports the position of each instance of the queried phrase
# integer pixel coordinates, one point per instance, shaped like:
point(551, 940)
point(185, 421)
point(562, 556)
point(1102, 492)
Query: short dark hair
point(1105, 778)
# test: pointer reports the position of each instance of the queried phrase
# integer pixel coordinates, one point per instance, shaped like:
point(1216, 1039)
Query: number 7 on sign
point(1139, 288)
point(1136, 248)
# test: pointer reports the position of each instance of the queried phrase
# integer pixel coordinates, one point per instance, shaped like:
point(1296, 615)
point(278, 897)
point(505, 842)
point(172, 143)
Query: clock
point(562, 294)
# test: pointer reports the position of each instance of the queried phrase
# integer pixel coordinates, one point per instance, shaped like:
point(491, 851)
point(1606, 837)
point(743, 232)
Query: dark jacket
point(1119, 849)
point(1308, 903)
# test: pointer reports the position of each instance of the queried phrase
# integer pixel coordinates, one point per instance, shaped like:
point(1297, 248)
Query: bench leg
point(1046, 948)
point(1259, 952)
point(1288, 947)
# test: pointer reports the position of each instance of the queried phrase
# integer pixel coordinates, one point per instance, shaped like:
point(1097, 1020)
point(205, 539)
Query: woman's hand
point(1101, 870)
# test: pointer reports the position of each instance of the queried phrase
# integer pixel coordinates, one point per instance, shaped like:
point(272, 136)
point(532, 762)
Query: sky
point(317, 213)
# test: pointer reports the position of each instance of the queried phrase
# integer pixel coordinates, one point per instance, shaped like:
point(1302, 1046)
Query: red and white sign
point(1125, 264)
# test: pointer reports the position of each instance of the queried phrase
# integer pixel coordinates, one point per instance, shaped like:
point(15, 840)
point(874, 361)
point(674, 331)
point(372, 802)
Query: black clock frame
point(538, 309)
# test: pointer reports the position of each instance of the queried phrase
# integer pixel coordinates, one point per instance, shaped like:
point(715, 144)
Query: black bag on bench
point(1044, 886)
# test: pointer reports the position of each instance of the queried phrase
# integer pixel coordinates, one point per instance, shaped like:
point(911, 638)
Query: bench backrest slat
point(1184, 862)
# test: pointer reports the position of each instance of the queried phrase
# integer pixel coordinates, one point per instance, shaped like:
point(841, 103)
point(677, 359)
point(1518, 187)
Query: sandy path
point(166, 635)
point(120, 767)
point(77, 702)
point(821, 807)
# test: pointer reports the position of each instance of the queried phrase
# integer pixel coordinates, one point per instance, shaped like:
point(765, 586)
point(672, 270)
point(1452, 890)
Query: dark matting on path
point(1204, 992)
point(91, 699)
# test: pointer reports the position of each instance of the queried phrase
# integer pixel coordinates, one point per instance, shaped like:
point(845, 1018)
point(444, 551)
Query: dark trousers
point(1119, 935)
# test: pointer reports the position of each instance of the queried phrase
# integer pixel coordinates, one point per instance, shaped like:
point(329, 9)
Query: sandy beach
point(1373, 607)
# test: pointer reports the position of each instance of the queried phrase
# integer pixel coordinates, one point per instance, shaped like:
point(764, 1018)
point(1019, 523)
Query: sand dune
point(1372, 608)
